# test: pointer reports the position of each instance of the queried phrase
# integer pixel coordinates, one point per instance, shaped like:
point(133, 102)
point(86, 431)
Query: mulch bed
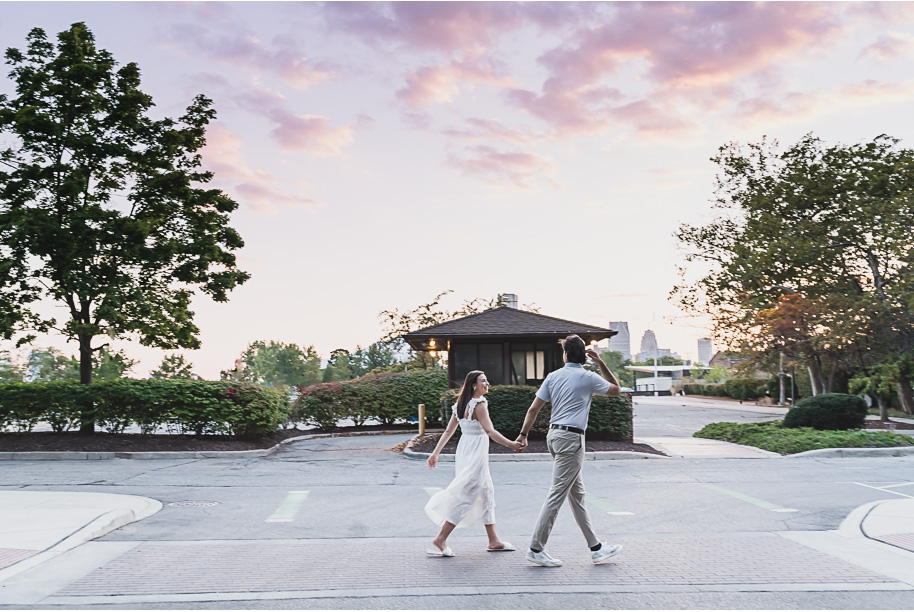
point(426, 444)
point(871, 424)
point(101, 441)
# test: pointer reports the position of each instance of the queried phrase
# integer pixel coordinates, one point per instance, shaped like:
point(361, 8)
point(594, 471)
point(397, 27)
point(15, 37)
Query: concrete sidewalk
point(36, 526)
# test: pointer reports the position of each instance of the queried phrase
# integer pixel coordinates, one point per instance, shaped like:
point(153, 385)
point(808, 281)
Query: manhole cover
point(193, 504)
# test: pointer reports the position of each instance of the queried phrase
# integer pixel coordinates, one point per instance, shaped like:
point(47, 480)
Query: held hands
point(520, 445)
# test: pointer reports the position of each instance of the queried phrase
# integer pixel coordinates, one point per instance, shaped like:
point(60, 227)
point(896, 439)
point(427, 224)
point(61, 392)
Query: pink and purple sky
point(384, 152)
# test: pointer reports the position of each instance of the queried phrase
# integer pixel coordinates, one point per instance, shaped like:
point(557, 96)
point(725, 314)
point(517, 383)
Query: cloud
point(666, 49)
point(490, 129)
point(870, 91)
point(435, 84)
point(780, 106)
point(522, 170)
point(449, 26)
point(645, 118)
point(254, 188)
point(240, 50)
point(570, 111)
point(889, 46)
point(310, 133)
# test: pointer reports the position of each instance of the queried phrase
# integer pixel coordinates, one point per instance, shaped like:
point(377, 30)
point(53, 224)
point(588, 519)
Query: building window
point(530, 363)
point(485, 357)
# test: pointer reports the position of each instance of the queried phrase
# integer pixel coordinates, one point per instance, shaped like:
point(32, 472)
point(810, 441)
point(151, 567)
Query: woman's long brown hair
point(466, 392)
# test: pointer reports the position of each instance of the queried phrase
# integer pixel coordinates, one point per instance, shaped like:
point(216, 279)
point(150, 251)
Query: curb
point(99, 526)
point(891, 451)
point(409, 453)
point(141, 455)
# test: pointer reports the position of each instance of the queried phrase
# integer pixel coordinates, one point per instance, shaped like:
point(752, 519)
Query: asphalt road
point(351, 488)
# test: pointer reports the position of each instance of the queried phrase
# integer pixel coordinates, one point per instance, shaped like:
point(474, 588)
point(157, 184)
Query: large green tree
point(829, 226)
point(276, 363)
point(174, 367)
point(376, 356)
point(103, 208)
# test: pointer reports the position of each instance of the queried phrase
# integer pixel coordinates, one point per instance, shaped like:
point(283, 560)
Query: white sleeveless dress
point(470, 498)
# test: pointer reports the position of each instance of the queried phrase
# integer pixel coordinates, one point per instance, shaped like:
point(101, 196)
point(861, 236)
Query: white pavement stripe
point(605, 506)
point(289, 507)
point(884, 490)
point(747, 498)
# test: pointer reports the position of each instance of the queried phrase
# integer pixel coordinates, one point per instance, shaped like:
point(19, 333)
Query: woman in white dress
point(470, 498)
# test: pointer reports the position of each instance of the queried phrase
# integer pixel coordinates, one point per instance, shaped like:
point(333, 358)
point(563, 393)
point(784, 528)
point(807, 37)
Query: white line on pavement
point(289, 507)
point(746, 498)
point(884, 490)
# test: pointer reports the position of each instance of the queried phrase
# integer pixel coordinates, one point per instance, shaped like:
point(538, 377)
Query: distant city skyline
point(382, 153)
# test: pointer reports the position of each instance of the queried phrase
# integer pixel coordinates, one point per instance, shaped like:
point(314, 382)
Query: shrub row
point(610, 417)
point(774, 437)
point(182, 406)
point(736, 388)
point(387, 398)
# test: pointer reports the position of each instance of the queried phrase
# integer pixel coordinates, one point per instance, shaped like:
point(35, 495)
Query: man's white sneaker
point(542, 558)
point(605, 552)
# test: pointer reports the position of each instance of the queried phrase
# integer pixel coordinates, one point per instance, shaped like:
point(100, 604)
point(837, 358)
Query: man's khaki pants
point(567, 449)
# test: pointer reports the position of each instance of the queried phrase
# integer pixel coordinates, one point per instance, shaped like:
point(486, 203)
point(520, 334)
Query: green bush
point(200, 407)
point(23, 405)
point(387, 397)
point(773, 436)
point(610, 417)
point(736, 388)
point(828, 411)
point(745, 388)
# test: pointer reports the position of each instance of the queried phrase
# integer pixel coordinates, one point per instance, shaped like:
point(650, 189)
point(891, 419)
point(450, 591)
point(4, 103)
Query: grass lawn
point(771, 436)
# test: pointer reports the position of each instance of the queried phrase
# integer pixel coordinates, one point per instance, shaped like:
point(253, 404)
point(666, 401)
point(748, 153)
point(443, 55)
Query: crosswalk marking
point(605, 506)
point(289, 507)
point(746, 498)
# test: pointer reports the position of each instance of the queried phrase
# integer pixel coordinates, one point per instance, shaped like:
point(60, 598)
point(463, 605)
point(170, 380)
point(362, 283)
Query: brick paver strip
point(301, 565)
point(901, 540)
point(8, 556)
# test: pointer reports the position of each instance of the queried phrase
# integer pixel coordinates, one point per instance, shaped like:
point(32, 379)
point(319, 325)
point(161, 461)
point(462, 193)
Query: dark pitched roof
point(507, 322)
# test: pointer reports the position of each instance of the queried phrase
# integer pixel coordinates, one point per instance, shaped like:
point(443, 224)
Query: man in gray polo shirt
point(570, 390)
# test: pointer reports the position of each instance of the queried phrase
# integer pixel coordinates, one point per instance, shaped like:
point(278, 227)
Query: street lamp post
point(781, 376)
point(656, 381)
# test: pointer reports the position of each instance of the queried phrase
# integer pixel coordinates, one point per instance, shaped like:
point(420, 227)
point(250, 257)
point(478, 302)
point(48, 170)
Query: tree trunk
point(87, 422)
point(905, 396)
point(883, 407)
point(883, 404)
point(832, 375)
point(815, 377)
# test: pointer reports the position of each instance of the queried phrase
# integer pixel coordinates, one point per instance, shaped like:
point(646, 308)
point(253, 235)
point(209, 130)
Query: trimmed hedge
point(736, 388)
point(831, 411)
point(774, 437)
point(199, 407)
point(610, 417)
point(387, 398)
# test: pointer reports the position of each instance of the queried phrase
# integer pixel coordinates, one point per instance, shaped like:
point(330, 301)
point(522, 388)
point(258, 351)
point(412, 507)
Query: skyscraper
point(705, 351)
point(649, 344)
point(622, 341)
